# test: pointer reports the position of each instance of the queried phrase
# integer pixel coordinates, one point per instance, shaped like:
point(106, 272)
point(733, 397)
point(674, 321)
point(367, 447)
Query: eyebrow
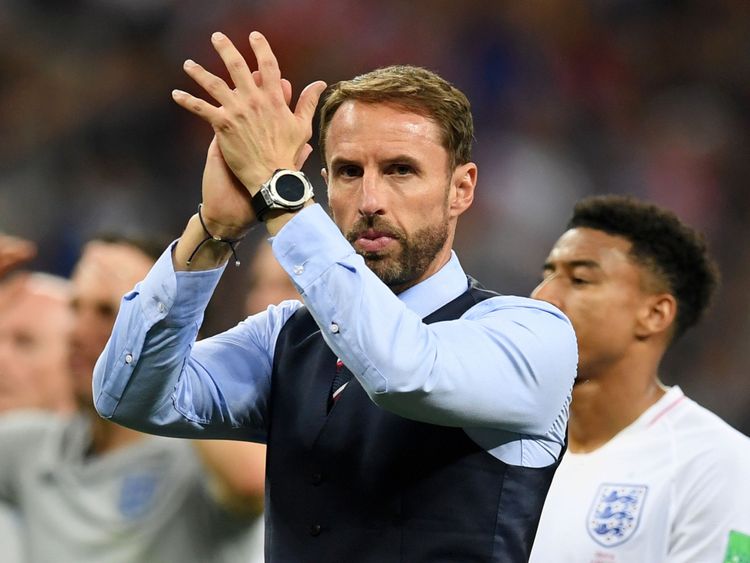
point(337, 161)
point(575, 264)
point(402, 159)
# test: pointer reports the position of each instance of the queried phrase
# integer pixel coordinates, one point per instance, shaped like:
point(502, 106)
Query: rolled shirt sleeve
point(153, 377)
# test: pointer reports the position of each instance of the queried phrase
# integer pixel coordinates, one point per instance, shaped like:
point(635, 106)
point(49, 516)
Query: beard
point(401, 270)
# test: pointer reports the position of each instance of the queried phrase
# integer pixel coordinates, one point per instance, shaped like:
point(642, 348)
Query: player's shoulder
point(26, 435)
point(32, 423)
point(702, 433)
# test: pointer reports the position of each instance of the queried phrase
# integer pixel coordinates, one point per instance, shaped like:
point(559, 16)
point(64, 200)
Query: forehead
point(36, 312)
point(358, 127)
point(609, 252)
point(104, 264)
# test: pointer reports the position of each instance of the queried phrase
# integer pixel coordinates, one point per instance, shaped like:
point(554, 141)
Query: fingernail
point(216, 36)
point(188, 63)
point(255, 35)
point(177, 93)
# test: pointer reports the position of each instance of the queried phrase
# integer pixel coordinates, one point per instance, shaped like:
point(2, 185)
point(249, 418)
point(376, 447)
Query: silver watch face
point(290, 189)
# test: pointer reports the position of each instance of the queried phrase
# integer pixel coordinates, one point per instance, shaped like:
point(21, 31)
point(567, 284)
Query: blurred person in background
point(88, 490)
point(649, 474)
point(13, 252)
point(409, 413)
point(35, 325)
point(268, 283)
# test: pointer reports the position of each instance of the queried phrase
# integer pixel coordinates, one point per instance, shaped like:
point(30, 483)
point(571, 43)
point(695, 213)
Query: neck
point(606, 404)
point(107, 436)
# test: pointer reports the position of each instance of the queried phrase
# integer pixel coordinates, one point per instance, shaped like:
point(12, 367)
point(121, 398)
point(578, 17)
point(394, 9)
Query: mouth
point(373, 240)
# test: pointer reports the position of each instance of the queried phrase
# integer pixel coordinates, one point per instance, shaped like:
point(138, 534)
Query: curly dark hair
point(674, 252)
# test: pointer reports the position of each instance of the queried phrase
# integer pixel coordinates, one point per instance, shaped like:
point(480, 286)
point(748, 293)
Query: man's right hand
point(255, 129)
point(224, 196)
point(14, 251)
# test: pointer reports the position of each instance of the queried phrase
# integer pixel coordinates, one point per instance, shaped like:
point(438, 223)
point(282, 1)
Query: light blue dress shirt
point(503, 372)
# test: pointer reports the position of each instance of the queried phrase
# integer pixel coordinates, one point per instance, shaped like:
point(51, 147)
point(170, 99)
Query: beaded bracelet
point(230, 241)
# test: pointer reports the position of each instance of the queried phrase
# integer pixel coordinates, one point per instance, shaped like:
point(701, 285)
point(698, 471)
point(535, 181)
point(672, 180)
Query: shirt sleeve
point(153, 377)
point(508, 363)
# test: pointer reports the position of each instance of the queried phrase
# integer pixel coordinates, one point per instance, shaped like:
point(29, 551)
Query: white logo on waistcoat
point(615, 513)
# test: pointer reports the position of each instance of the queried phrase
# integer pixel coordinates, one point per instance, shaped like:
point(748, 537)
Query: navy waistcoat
point(360, 484)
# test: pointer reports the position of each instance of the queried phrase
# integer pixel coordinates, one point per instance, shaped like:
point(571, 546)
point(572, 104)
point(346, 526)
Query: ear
point(324, 175)
point(657, 316)
point(463, 182)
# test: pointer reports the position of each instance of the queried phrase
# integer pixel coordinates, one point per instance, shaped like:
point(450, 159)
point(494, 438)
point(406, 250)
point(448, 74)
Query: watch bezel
point(278, 199)
point(268, 197)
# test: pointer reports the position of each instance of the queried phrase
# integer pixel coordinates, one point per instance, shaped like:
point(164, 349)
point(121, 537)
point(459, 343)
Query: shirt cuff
point(178, 298)
point(308, 245)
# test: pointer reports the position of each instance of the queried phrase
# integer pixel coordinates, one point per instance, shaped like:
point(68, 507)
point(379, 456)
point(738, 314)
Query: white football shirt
point(147, 502)
point(668, 488)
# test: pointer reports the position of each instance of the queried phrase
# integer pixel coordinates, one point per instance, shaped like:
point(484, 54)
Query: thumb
point(308, 100)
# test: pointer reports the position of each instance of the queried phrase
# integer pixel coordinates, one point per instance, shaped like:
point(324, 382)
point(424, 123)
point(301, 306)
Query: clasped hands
point(255, 130)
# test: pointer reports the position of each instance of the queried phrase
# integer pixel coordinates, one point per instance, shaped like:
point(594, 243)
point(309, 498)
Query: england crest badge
point(137, 494)
point(615, 513)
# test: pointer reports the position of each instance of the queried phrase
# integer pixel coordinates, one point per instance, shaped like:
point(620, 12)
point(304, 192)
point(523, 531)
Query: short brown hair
point(415, 89)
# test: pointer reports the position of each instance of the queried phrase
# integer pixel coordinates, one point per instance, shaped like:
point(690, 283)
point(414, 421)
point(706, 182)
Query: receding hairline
point(407, 109)
point(415, 89)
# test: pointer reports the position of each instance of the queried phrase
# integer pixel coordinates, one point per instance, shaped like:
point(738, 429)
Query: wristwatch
point(287, 190)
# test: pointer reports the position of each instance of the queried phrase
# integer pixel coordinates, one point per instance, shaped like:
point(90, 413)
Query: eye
point(579, 281)
point(106, 310)
point(24, 341)
point(546, 273)
point(349, 171)
point(400, 169)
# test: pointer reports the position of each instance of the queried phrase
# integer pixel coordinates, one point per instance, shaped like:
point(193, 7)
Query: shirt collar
point(442, 287)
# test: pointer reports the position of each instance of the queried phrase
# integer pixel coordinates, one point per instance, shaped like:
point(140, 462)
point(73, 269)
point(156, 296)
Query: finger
point(234, 61)
point(267, 63)
point(286, 86)
point(215, 86)
point(199, 107)
point(304, 153)
point(14, 252)
point(308, 100)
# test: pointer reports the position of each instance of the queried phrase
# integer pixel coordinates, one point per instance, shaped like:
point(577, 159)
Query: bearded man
point(410, 415)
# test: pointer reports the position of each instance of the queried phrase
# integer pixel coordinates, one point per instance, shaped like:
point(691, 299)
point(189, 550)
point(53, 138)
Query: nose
point(548, 290)
point(4, 350)
point(372, 195)
point(82, 323)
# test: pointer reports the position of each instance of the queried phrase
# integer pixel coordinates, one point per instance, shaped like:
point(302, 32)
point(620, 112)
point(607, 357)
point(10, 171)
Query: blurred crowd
point(570, 98)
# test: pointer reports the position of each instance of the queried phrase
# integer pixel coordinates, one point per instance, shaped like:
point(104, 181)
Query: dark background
point(570, 98)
